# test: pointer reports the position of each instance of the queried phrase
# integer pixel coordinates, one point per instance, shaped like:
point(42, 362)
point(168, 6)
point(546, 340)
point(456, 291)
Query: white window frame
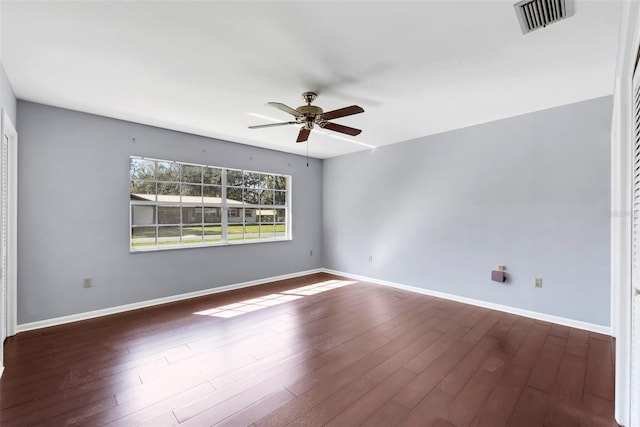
point(225, 224)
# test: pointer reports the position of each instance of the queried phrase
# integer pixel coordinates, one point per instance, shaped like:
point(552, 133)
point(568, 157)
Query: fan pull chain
point(307, 153)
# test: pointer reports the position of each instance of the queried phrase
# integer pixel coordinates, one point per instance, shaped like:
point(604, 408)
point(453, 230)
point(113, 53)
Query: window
point(176, 204)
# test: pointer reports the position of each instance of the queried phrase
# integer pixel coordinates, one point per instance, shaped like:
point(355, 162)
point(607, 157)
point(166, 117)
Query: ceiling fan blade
point(285, 108)
point(342, 112)
point(303, 135)
point(271, 125)
point(342, 129)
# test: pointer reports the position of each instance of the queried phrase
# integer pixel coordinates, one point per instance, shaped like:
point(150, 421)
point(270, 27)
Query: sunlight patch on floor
point(253, 304)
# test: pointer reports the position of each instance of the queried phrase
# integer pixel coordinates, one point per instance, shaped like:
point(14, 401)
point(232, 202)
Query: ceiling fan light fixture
point(310, 115)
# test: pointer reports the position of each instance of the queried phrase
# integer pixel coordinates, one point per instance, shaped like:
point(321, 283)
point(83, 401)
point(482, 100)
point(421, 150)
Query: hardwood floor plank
point(76, 398)
point(74, 418)
point(560, 414)
point(425, 358)
point(312, 350)
point(469, 401)
point(390, 414)
point(577, 343)
point(429, 409)
point(217, 411)
point(599, 377)
point(482, 327)
point(531, 409)
point(257, 410)
point(320, 392)
point(441, 422)
point(417, 389)
point(460, 375)
point(545, 371)
point(130, 414)
point(516, 335)
point(560, 331)
point(529, 350)
point(331, 363)
point(569, 386)
point(165, 420)
point(330, 407)
point(496, 410)
point(597, 411)
point(360, 410)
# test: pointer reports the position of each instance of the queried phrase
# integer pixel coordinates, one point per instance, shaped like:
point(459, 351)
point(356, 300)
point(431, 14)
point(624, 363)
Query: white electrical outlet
point(537, 282)
point(87, 282)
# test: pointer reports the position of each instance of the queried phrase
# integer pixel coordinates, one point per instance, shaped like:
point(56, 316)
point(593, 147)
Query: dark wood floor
point(317, 350)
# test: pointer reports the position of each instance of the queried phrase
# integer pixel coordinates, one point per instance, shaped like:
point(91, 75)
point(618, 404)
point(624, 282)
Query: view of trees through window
point(175, 204)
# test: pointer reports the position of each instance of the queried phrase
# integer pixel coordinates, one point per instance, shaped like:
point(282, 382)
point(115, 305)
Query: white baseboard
point(150, 303)
point(606, 330)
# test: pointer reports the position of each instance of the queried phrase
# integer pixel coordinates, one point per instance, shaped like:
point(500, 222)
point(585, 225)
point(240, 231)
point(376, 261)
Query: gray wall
point(7, 97)
point(440, 212)
point(74, 215)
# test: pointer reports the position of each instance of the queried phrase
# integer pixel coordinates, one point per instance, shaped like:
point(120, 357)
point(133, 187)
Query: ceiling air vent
point(534, 14)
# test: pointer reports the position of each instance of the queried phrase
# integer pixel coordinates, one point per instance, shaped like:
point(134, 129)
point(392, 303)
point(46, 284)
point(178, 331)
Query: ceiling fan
point(310, 115)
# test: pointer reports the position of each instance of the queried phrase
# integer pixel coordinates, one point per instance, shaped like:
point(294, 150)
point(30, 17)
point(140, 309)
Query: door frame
point(621, 206)
point(11, 303)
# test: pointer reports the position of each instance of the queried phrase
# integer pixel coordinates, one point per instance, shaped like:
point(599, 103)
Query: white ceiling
point(208, 68)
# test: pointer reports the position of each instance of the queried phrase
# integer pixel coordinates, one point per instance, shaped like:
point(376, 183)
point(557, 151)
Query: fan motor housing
point(309, 110)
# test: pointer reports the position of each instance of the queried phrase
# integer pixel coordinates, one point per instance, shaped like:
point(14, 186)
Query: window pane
point(175, 203)
point(280, 182)
point(252, 196)
point(254, 180)
point(280, 215)
point(143, 236)
point(251, 232)
point(250, 215)
point(266, 197)
point(234, 194)
point(267, 231)
point(266, 215)
point(212, 194)
point(142, 169)
point(281, 230)
point(191, 173)
point(143, 190)
point(234, 215)
point(191, 235)
point(192, 215)
point(168, 171)
point(143, 215)
point(212, 215)
point(234, 178)
point(168, 189)
point(268, 182)
point(235, 232)
point(212, 176)
point(168, 215)
point(168, 235)
point(281, 198)
point(212, 233)
point(191, 193)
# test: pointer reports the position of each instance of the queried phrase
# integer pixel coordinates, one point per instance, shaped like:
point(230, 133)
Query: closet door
point(635, 253)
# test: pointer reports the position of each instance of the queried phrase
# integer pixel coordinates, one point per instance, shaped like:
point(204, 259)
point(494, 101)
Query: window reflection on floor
point(253, 304)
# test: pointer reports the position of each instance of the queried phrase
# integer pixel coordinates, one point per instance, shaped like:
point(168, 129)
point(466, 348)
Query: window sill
point(143, 249)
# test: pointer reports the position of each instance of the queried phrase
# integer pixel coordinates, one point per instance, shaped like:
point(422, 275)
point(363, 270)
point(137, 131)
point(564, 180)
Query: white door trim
point(621, 206)
point(12, 223)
